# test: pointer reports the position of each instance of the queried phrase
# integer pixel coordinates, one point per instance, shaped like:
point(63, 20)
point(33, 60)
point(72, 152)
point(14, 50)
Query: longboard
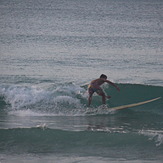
point(133, 105)
point(92, 111)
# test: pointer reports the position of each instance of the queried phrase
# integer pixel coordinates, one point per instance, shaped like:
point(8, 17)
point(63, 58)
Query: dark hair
point(103, 76)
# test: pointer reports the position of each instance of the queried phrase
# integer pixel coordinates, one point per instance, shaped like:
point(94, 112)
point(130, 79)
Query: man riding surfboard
point(94, 86)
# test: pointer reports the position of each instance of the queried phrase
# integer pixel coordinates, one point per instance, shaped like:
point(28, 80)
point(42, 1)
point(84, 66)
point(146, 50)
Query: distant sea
point(49, 49)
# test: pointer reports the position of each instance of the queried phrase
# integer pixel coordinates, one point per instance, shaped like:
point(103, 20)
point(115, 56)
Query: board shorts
point(91, 90)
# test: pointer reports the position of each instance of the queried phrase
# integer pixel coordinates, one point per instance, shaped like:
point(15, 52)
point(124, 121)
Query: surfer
point(94, 86)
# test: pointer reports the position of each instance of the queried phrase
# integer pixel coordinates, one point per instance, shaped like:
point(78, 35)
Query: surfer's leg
point(90, 91)
point(103, 99)
point(102, 94)
point(108, 97)
point(89, 100)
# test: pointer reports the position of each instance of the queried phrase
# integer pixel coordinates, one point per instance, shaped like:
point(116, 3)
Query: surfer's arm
point(109, 82)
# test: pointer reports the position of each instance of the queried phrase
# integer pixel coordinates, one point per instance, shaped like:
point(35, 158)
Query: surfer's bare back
point(94, 86)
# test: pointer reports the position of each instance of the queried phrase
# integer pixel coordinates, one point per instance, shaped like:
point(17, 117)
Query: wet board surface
point(133, 105)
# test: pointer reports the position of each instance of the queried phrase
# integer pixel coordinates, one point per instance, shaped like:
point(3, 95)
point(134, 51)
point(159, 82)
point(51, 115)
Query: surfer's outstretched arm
point(109, 82)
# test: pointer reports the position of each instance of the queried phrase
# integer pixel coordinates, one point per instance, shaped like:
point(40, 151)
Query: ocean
point(49, 49)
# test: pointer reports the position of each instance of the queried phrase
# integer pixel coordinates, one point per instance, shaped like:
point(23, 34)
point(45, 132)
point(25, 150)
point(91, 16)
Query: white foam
point(23, 96)
point(67, 100)
point(20, 96)
point(156, 135)
point(40, 100)
point(42, 126)
point(25, 113)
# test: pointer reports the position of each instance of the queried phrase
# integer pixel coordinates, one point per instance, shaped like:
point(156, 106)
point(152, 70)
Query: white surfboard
point(105, 108)
point(133, 105)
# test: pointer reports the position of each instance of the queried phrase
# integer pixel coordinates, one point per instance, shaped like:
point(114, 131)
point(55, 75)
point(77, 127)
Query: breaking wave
point(71, 99)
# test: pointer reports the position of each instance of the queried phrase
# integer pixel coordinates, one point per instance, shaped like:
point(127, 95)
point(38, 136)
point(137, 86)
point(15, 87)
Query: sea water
point(48, 49)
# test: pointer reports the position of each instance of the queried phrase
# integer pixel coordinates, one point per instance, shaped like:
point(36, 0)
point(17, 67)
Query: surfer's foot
point(103, 106)
point(108, 97)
